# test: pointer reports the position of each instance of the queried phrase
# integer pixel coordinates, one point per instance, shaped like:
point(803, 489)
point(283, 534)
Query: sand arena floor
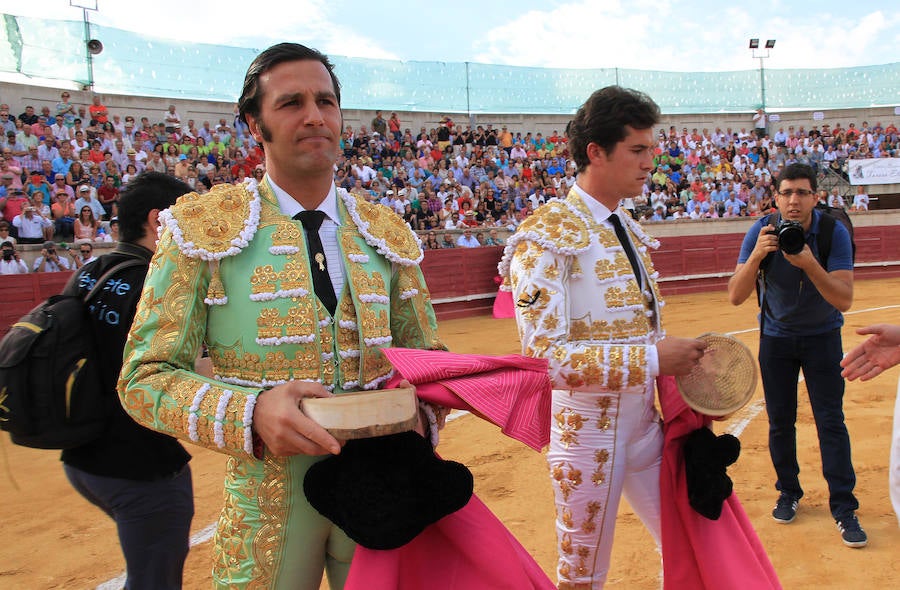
point(54, 539)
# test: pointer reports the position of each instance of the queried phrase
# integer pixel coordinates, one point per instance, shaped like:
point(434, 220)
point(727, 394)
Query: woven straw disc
point(723, 381)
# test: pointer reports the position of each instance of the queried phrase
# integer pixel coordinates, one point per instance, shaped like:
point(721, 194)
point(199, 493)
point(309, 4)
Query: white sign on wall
point(874, 171)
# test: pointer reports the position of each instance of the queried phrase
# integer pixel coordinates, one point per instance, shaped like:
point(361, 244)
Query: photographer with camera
point(11, 263)
point(49, 260)
point(31, 226)
point(801, 301)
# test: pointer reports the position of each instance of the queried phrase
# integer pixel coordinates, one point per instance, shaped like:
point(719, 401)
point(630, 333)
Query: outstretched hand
point(874, 356)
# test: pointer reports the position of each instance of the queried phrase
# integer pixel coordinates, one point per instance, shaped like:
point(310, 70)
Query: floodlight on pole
point(754, 46)
point(91, 46)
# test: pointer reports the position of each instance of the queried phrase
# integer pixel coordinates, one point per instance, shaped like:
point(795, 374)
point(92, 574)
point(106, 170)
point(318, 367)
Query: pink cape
point(698, 553)
point(470, 548)
point(503, 303)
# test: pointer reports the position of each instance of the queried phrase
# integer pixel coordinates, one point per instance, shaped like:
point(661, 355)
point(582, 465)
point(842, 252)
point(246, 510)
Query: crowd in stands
point(61, 169)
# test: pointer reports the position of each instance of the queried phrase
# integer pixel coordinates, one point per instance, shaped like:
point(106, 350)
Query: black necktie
point(311, 221)
point(626, 245)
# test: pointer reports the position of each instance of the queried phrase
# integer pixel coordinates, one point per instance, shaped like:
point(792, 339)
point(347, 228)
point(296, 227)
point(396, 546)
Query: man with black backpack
point(137, 476)
point(802, 296)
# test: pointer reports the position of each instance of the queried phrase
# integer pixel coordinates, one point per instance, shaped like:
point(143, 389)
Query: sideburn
point(263, 130)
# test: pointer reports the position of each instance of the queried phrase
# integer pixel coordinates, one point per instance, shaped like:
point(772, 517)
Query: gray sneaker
point(785, 510)
point(851, 533)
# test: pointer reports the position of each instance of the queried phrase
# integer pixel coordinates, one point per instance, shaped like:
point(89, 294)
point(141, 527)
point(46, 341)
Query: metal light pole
point(757, 53)
point(90, 46)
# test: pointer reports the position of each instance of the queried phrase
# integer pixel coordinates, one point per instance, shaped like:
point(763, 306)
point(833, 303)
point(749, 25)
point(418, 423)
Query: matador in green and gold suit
point(232, 273)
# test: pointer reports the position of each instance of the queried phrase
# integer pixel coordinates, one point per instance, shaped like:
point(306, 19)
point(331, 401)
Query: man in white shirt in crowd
point(467, 240)
point(860, 200)
point(10, 262)
point(82, 253)
point(87, 198)
point(31, 225)
point(49, 260)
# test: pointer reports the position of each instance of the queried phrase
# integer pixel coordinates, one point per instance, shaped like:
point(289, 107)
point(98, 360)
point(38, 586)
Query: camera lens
point(790, 237)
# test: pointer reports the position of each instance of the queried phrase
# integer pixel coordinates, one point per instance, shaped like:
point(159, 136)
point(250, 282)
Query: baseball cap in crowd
point(84, 188)
point(16, 190)
point(8, 176)
point(48, 245)
point(182, 157)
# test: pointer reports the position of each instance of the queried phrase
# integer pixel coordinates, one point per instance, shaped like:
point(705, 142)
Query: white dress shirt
point(327, 232)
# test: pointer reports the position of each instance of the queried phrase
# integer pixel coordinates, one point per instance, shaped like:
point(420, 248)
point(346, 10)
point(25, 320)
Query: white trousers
point(601, 445)
point(894, 474)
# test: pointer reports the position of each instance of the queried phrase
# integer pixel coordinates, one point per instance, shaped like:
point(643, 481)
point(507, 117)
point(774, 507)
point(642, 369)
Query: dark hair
point(248, 103)
point(603, 117)
point(147, 191)
point(797, 172)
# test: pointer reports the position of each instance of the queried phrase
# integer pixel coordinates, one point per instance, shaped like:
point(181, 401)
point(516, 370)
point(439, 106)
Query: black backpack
point(832, 214)
point(51, 395)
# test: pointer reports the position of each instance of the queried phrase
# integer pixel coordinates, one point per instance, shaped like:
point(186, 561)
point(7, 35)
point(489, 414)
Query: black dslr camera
point(790, 236)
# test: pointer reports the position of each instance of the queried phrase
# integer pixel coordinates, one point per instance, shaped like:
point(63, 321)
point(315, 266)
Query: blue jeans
point(153, 519)
point(780, 361)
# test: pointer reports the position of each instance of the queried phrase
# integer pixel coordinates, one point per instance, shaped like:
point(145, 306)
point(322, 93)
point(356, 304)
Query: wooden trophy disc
point(364, 414)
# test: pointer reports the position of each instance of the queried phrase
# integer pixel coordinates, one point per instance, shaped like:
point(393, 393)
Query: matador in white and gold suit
point(580, 305)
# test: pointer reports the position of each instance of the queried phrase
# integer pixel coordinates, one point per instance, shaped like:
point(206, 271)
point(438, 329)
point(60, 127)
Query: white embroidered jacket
point(578, 302)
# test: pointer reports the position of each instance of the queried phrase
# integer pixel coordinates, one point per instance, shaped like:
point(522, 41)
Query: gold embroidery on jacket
point(637, 360)
point(287, 234)
point(616, 296)
point(615, 375)
point(610, 269)
point(212, 220)
point(273, 502)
